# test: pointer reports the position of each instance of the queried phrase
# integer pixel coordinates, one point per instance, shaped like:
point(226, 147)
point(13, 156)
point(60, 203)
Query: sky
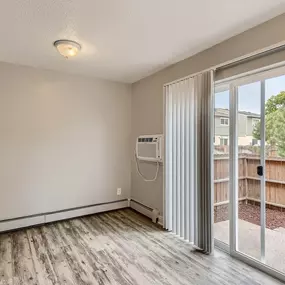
point(249, 95)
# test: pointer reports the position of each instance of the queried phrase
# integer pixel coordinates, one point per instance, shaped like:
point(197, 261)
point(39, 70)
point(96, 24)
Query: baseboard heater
point(147, 211)
point(44, 218)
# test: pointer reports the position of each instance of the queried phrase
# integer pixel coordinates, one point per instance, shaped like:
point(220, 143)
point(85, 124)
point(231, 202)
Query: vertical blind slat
point(170, 162)
point(168, 174)
point(178, 149)
point(166, 169)
point(192, 161)
point(187, 160)
point(174, 157)
point(182, 160)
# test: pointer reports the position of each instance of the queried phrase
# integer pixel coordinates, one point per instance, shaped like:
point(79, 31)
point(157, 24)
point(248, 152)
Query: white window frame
point(222, 139)
point(225, 119)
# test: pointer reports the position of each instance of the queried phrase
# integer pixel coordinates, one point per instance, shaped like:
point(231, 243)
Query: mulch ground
point(251, 214)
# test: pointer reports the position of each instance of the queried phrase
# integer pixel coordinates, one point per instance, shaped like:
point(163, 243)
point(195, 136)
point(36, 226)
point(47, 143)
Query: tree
point(274, 123)
point(275, 102)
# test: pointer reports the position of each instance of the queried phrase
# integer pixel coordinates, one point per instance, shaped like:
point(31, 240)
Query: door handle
point(260, 170)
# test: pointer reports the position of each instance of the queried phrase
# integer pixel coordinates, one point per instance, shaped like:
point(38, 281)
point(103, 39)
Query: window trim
point(224, 118)
point(222, 139)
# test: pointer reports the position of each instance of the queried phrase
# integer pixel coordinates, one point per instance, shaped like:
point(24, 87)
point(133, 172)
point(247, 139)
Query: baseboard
point(86, 211)
point(144, 210)
point(9, 225)
point(28, 221)
point(160, 220)
point(139, 207)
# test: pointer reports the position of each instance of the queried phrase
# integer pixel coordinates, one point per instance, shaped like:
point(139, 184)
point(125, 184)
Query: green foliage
point(277, 130)
point(256, 131)
point(274, 123)
point(275, 102)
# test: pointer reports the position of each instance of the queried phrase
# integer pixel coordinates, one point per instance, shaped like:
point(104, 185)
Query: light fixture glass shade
point(67, 48)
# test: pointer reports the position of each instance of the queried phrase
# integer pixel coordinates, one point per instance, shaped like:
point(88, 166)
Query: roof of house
point(220, 112)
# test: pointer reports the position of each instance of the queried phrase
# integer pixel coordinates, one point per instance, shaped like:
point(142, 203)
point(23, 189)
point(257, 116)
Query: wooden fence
point(249, 181)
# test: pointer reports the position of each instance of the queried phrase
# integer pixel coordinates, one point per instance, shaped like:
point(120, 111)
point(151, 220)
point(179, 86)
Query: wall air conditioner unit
point(150, 148)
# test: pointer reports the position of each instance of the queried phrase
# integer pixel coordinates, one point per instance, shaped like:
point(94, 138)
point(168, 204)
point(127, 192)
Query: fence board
point(249, 184)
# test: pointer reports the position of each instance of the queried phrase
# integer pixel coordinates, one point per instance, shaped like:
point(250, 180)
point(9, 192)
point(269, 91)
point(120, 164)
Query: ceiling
point(122, 40)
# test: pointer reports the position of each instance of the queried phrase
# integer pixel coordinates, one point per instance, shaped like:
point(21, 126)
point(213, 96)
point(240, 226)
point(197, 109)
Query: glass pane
point(248, 223)
point(221, 167)
point(275, 172)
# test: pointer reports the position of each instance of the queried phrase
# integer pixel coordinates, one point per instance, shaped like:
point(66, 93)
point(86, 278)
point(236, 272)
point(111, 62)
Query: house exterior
point(246, 123)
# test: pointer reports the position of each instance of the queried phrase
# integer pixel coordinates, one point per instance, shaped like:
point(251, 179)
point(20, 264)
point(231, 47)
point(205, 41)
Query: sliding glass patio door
point(274, 121)
point(250, 169)
point(247, 151)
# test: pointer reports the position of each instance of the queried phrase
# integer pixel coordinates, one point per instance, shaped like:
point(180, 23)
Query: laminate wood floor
point(120, 247)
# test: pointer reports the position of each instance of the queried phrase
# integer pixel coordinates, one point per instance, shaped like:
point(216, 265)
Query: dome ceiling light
point(67, 48)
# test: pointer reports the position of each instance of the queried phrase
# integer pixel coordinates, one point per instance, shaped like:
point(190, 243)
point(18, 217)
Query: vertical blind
point(188, 160)
point(180, 158)
point(204, 161)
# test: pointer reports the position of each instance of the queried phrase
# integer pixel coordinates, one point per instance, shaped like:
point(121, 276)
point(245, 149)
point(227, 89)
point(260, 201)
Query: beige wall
point(64, 141)
point(147, 99)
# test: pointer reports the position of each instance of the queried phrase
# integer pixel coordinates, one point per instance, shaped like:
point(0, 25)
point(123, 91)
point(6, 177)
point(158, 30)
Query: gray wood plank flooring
point(119, 247)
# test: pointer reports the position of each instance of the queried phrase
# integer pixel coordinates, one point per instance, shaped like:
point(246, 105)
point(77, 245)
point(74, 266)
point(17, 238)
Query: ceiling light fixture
point(67, 48)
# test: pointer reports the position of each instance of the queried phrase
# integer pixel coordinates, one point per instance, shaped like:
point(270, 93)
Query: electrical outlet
point(119, 191)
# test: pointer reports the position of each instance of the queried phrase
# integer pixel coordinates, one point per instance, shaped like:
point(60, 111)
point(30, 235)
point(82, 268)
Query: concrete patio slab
point(280, 230)
point(249, 242)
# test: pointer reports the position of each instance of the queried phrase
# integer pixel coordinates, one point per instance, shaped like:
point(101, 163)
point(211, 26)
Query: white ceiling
point(122, 40)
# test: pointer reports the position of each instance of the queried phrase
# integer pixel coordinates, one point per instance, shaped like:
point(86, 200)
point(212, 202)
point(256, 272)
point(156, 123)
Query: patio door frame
point(234, 157)
point(232, 85)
